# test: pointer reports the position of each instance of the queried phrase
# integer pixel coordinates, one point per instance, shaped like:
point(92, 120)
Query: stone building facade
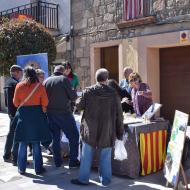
point(98, 24)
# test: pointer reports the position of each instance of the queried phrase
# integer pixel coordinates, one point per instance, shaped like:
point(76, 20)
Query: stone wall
point(96, 21)
point(63, 15)
point(171, 10)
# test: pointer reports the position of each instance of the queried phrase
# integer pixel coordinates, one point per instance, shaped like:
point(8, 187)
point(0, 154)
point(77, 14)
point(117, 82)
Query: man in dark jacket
point(60, 95)
point(9, 88)
point(102, 122)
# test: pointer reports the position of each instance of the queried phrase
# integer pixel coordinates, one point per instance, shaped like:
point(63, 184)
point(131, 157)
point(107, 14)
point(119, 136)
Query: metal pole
point(57, 15)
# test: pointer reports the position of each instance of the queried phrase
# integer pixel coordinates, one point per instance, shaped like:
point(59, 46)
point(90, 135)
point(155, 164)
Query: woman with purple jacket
point(141, 94)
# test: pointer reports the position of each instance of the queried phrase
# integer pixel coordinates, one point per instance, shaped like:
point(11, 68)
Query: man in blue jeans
point(60, 95)
point(101, 123)
point(11, 148)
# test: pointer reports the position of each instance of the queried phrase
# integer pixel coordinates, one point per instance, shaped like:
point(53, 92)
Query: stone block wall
point(171, 10)
point(96, 21)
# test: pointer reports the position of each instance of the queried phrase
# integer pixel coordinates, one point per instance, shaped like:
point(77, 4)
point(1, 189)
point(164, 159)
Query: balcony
point(134, 13)
point(42, 12)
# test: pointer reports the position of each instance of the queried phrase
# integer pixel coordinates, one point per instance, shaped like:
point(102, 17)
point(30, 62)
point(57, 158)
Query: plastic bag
point(120, 152)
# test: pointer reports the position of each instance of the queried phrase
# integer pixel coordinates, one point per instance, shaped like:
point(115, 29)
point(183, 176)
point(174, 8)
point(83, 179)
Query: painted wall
point(64, 14)
point(8, 4)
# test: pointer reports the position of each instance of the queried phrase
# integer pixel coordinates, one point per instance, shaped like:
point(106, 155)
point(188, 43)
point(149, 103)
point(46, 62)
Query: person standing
point(141, 94)
point(124, 83)
point(31, 123)
point(60, 95)
point(102, 122)
point(73, 78)
point(41, 75)
point(16, 73)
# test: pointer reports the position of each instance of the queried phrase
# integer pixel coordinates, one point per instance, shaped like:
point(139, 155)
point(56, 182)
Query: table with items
point(145, 144)
point(146, 148)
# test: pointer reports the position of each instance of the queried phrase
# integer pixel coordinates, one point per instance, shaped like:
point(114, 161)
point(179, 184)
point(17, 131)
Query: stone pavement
point(4, 123)
point(55, 179)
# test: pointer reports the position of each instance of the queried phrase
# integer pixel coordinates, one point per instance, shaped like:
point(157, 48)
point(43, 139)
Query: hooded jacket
point(102, 119)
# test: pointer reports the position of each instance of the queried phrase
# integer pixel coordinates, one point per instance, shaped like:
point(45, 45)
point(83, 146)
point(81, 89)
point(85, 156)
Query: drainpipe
point(72, 33)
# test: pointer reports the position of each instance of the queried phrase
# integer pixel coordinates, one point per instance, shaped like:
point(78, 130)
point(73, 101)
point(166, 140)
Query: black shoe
point(77, 182)
point(21, 172)
point(7, 160)
point(58, 166)
point(41, 171)
point(14, 163)
point(74, 164)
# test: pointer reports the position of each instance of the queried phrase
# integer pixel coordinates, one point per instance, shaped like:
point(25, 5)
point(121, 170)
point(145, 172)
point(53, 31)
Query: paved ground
point(55, 178)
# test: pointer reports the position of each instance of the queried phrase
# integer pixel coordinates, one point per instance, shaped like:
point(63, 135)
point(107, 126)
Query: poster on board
point(38, 61)
point(175, 147)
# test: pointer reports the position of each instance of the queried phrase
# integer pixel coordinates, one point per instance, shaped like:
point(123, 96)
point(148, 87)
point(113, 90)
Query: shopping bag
point(120, 152)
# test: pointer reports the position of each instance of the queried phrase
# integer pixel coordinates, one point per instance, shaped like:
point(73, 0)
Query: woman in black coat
point(123, 94)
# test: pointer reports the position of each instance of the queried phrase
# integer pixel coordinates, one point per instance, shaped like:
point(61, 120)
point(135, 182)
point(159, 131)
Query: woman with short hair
point(141, 94)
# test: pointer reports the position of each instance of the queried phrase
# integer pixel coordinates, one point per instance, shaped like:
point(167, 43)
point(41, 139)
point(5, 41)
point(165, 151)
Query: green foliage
point(21, 38)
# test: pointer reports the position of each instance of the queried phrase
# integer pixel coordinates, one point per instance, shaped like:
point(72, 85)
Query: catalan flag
point(152, 151)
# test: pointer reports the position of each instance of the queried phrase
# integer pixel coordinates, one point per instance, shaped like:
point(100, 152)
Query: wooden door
point(174, 80)
point(109, 60)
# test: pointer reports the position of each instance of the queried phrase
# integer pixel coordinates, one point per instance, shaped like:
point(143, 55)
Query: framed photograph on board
point(38, 61)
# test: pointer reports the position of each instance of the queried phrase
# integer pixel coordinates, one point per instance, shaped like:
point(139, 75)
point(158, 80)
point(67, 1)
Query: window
point(135, 9)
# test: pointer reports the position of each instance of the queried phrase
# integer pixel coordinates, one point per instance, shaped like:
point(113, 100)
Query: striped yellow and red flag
point(152, 151)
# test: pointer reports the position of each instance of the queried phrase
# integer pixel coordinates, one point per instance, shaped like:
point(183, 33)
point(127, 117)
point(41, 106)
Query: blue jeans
point(37, 156)
point(67, 124)
point(10, 145)
point(105, 169)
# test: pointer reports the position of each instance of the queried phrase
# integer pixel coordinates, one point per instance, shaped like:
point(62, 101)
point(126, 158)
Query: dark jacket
point(60, 94)
point(141, 103)
point(102, 118)
point(31, 125)
point(9, 90)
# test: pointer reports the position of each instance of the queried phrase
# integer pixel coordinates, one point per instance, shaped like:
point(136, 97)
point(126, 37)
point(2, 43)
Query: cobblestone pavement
point(60, 178)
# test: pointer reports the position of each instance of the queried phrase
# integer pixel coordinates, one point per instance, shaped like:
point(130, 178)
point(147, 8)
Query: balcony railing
point(42, 12)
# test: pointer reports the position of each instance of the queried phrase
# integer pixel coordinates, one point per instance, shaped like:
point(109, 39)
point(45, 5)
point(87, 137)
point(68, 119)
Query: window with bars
point(135, 9)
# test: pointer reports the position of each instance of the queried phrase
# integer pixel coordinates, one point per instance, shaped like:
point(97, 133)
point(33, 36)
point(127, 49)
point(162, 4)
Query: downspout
point(72, 34)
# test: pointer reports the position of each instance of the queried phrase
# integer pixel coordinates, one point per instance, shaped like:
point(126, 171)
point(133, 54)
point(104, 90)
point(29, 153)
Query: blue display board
point(38, 61)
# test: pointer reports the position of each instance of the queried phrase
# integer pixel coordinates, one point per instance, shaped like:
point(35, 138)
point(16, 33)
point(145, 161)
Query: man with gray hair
point(60, 95)
point(102, 122)
point(16, 73)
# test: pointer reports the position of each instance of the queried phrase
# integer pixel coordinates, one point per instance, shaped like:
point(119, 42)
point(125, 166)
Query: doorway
point(174, 80)
point(109, 59)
